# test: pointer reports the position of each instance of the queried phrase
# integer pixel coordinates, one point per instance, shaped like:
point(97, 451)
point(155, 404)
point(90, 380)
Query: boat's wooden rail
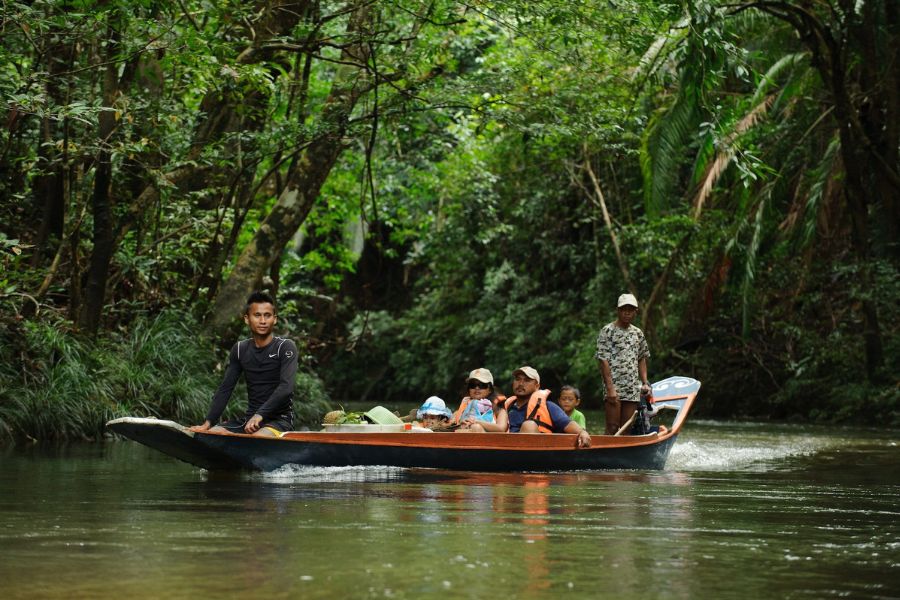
point(685, 391)
point(452, 450)
point(470, 441)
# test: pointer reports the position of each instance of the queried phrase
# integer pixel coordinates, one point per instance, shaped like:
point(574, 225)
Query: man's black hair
point(258, 297)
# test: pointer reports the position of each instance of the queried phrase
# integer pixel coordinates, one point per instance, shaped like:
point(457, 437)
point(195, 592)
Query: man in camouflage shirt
point(622, 352)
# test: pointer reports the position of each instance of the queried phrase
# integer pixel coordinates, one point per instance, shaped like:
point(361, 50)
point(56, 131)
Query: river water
point(741, 511)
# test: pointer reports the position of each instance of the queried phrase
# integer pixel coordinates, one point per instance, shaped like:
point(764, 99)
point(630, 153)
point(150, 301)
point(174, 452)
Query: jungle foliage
point(432, 186)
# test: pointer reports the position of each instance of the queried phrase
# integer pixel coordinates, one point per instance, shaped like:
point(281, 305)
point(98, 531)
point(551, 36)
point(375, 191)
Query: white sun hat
point(433, 406)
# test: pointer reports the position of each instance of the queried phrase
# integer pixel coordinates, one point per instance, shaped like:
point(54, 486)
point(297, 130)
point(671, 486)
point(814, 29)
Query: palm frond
point(821, 176)
point(651, 60)
point(771, 76)
point(750, 263)
point(723, 157)
point(662, 149)
point(705, 154)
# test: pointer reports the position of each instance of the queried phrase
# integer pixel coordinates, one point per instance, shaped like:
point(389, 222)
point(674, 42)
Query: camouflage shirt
point(623, 349)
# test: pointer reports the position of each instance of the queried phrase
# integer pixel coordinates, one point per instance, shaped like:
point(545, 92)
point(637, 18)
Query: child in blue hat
point(434, 413)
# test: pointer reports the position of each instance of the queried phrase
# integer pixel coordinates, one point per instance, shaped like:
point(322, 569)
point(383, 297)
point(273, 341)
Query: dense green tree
point(740, 227)
point(431, 185)
point(843, 59)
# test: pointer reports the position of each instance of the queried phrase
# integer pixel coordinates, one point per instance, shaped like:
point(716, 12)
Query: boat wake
point(291, 473)
point(740, 454)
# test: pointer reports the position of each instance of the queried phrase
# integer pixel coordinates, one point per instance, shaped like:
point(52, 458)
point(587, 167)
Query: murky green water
point(742, 511)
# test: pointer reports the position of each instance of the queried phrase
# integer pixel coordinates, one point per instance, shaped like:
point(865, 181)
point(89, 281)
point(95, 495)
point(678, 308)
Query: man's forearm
point(223, 393)
point(606, 373)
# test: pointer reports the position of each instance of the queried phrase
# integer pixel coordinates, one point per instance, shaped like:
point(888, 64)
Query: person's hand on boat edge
point(468, 422)
point(584, 439)
point(253, 423)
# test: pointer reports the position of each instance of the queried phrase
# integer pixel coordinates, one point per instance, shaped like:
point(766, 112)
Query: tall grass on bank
point(57, 385)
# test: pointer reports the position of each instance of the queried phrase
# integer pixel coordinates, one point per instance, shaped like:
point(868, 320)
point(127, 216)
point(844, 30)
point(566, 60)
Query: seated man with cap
point(530, 411)
point(482, 409)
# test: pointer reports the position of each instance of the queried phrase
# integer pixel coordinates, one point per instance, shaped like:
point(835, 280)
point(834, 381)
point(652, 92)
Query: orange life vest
point(536, 410)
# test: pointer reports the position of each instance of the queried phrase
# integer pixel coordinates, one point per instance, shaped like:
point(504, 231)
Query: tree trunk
point(878, 33)
point(101, 201)
point(855, 155)
point(49, 190)
point(303, 185)
point(838, 45)
point(288, 214)
point(50, 186)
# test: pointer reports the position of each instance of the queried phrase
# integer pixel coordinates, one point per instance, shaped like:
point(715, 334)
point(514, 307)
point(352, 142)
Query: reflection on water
point(742, 511)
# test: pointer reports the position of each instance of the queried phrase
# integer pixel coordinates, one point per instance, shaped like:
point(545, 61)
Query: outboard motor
point(645, 412)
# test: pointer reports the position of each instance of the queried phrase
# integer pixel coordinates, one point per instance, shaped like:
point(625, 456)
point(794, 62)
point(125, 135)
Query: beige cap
point(482, 375)
point(627, 300)
point(528, 372)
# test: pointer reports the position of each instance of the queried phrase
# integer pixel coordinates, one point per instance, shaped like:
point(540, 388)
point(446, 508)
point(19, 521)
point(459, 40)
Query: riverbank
point(56, 384)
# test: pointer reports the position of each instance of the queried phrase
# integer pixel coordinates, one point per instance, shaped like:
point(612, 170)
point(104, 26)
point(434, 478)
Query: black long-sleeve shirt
point(269, 373)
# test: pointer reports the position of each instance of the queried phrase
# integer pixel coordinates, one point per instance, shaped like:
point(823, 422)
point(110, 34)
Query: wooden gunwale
point(451, 450)
point(491, 441)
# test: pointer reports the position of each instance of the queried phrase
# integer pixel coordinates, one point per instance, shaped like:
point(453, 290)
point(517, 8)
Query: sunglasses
point(479, 385)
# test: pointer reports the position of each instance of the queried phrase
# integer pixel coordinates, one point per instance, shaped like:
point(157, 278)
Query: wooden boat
point(393, 445)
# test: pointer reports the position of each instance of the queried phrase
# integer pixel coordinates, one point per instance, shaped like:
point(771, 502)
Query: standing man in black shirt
point(269, 365)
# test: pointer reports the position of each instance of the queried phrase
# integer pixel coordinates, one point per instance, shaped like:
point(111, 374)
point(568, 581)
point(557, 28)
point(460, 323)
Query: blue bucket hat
point(433, 406)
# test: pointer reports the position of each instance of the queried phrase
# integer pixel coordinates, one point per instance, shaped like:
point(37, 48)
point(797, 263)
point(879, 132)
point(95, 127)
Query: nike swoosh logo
point(273, 355)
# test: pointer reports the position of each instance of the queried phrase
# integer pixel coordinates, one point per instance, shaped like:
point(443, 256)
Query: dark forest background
point(430, 186)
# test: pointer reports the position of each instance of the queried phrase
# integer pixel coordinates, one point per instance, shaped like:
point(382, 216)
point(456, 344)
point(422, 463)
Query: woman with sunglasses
point(482, 409)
